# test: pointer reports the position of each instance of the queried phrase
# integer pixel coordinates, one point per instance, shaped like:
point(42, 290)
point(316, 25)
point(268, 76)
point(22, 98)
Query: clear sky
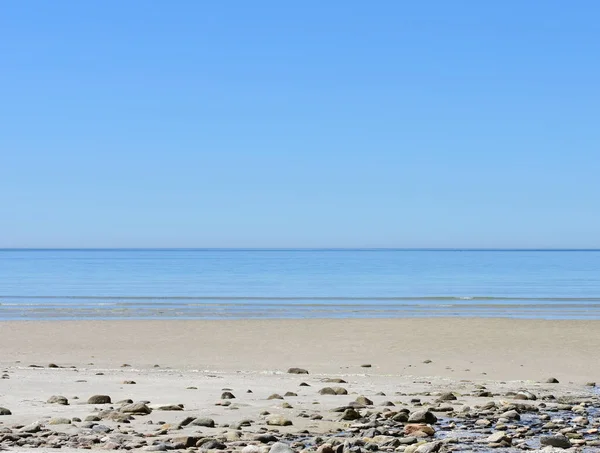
point(299, 124)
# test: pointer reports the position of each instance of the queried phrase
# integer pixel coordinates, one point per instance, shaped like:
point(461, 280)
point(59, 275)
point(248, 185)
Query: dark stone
point(297, 371)
point(99, 399)
point(422, 417)
point(558, 440)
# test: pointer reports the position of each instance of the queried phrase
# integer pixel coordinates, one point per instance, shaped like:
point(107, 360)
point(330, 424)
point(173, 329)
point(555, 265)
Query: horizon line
point(436, 249)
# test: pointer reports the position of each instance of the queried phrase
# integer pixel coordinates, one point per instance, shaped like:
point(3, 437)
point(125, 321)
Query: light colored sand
point(242, 355)
point(502, 348)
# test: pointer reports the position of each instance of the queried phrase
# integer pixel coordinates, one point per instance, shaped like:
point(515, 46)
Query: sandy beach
point(179, 370)
point(506, 349)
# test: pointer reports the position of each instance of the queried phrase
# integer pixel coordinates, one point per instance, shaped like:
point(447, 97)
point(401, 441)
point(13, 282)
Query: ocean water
point(221, 284)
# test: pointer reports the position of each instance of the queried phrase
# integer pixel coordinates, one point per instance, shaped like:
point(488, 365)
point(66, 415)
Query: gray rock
point(156, 447)
point(552, 381)
point(364, 401)
point(280, 447)
point(99, 399)
point(350, 414)
point(186, 421)
point(297, 371)
point(135, 408)
point(227, 396)
point(265, 438)
point(170, 407)
point(5, 411)
point(213, 444)
point(430, 447)
point(275, 396)
point(448, 396)
point(499, 437)
point(333, 391)
point(186, 441)
point(401, 417)
point(558, 440)
point(101, 429)
point(278, 420)
point(525, 395)
point(511, 415)
point(423, 416)
point(204, 421)
point(251, 449)
point(32, 428)
point(58, 399)
point(59, 421)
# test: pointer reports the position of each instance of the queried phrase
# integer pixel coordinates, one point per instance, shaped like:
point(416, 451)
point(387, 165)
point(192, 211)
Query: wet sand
point(500, 348)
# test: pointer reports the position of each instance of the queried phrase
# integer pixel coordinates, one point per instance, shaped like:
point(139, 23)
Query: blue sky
point(299, 124)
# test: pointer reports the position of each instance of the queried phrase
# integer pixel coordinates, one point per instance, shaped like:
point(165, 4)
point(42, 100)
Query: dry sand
point(504, 355)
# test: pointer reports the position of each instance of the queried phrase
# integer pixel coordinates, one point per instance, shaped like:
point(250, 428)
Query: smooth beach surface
point(500, 348)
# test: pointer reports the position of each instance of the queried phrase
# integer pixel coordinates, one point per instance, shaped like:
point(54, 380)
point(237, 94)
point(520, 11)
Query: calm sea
point(217, 284)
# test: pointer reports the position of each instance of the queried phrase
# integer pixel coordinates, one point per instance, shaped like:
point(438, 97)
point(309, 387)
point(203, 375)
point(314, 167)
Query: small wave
point(160, 299)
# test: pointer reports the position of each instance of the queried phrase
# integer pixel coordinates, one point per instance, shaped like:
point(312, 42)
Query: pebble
point(251, 449)
point(448, 396)
point(32, 428)
point(297, 371)
point(364, 401)
point(204, 421)
point(135, 408)
point(59, 421)
point(5, 411)
point(278, 420)
point(333, 391)
point(350, 414)
point(499, 437)
point(423, 416)
point(558, 440)
point(58, 399)
point(280, 447)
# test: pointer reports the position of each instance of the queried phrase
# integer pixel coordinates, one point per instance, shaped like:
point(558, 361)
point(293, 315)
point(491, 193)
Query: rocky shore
point(289, 410)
